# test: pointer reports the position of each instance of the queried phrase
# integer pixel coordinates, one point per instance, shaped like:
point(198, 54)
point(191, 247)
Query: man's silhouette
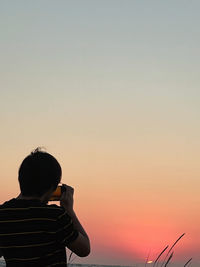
point(33, 233)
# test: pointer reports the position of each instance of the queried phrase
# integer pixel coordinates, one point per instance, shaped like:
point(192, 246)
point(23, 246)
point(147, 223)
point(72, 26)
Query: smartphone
point(57, 193)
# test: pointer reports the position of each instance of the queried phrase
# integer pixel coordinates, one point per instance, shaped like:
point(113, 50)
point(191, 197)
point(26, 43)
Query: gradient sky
point(111, 89)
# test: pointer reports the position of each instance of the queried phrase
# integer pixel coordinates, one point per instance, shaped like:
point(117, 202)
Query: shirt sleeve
point(65, 229)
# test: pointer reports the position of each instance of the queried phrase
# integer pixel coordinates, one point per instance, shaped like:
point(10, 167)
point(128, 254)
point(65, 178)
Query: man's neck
point(41, 199)
point(44, 198)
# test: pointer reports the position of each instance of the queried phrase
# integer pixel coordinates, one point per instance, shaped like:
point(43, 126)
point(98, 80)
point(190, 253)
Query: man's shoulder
point(7, 204)
point(19, 206)
point(60, 210)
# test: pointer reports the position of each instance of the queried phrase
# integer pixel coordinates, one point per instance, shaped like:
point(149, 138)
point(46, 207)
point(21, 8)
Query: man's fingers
point(68, 188)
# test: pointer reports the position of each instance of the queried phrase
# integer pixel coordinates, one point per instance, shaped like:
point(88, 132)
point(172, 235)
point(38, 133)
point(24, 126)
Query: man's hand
point(67, 198)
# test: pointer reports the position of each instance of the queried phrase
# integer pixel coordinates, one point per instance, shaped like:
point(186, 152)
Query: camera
point(57, 193)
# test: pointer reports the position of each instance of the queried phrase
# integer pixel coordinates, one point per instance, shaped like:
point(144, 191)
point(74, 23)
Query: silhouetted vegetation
point(169, 255)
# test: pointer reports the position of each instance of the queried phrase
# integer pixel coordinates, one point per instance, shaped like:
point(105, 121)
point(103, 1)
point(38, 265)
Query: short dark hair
point(38, 172)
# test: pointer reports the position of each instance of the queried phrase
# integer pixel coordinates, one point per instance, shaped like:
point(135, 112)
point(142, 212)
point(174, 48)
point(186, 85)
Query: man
point(33, 233)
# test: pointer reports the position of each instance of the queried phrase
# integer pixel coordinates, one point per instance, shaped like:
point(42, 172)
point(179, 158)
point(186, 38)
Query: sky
point(111, 89)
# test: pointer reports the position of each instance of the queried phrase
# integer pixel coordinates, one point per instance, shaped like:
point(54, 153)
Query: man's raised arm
point(81, 245)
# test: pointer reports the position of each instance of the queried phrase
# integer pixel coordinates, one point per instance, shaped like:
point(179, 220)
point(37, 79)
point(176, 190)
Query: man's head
point(39, 173)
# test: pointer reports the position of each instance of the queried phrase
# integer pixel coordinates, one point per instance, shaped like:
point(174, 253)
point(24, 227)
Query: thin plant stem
point(73, 259)
point(170, 257)
point(172, 247)
point(187, 262)
point(160, 256)
point(175, 243)
point(70, 256)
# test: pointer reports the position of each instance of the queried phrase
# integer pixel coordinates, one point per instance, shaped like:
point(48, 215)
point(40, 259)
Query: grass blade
point(70, 256)
point(73, 259)
point(175, 243)
point(187, 262)
point(172, 247)
point(160, 255)
point(170, 257)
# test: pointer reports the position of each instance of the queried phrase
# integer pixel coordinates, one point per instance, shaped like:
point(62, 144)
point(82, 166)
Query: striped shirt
point(34, 234)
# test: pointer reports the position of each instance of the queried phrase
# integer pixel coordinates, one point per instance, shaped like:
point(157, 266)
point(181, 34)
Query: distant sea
point(2, 263)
